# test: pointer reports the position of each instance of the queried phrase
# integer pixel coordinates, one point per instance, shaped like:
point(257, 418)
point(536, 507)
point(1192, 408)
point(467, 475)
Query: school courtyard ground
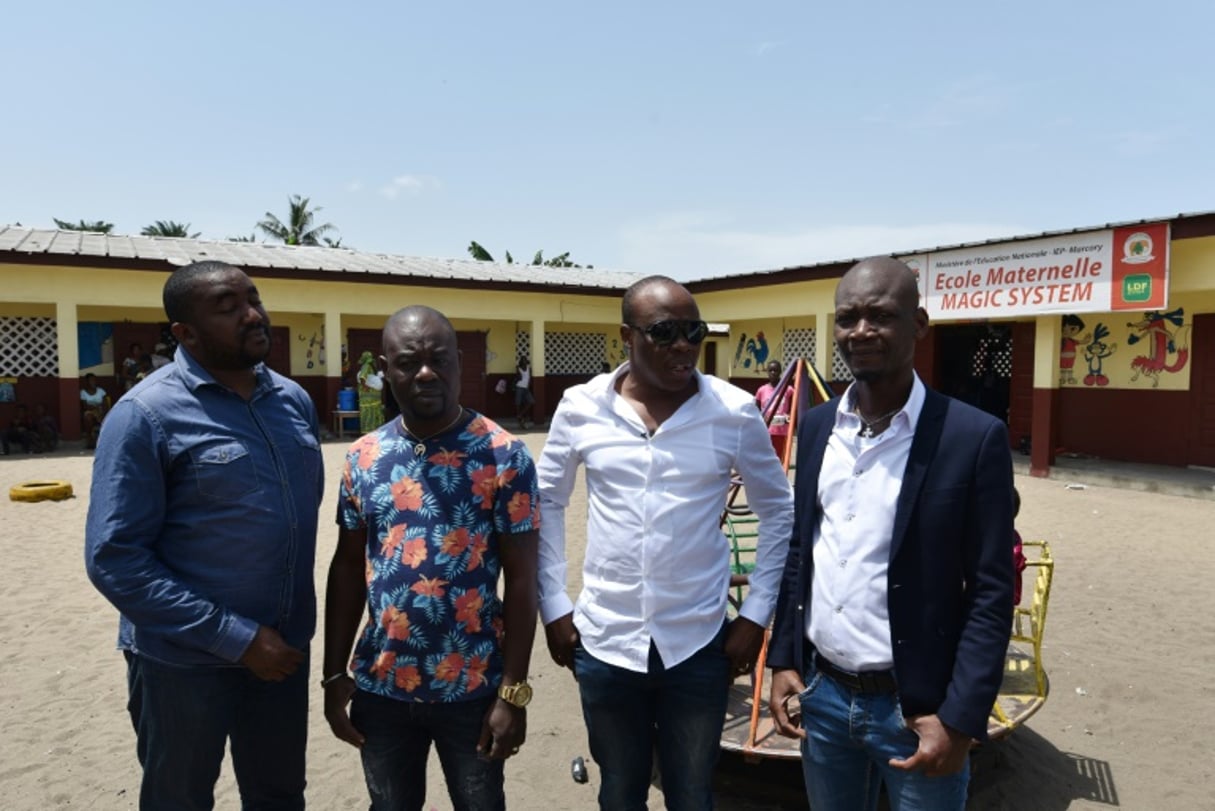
point(1129, 646)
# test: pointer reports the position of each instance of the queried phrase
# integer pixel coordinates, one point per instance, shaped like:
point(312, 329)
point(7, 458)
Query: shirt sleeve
point(125, 518)
point(557, 470)
point(349, 505)
point(771, 499)
point(517, 498)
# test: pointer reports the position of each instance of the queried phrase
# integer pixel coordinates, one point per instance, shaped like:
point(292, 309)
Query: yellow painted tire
point(50, 490)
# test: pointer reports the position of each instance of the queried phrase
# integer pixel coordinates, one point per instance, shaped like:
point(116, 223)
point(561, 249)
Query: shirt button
point(849, 517)
point(843, 563)
point(839, 609)
point(858, 471)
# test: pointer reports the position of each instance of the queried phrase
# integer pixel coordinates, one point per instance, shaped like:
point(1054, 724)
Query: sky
point(692, 139)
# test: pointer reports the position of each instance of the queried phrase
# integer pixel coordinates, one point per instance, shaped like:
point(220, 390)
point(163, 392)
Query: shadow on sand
point(1024, 771)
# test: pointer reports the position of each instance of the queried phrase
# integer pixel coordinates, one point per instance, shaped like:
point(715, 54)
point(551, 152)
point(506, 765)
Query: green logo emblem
point(1137, 287)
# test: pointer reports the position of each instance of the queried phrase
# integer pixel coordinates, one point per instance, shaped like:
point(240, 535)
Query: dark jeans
point(398, 737)
point(679, 711)
point(183, 718)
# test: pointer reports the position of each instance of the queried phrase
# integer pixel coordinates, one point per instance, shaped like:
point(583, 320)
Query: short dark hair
point(179, 292)
point(635, 290)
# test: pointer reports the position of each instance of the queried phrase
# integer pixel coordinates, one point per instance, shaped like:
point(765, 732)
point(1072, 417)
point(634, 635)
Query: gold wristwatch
point(517, 694)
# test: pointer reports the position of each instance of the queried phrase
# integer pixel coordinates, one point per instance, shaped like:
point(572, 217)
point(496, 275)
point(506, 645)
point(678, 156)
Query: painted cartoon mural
point(752, 353)
point(1073, 325)
point(314, 354)
point(1168, 344)
point(1095, 353)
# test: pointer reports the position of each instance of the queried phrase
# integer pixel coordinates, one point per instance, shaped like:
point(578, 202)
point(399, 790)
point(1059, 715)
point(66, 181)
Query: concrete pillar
point(334, 338)
point(1043, 428)
point(540, 410)
point(69, 369)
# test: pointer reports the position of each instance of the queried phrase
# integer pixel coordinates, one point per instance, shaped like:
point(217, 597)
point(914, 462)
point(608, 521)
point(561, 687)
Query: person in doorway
point(130, 367)
point(434, 507)
point(893, 618)
point(201, 531)
point(648, 639)
point(524, 400)
point(46, 430)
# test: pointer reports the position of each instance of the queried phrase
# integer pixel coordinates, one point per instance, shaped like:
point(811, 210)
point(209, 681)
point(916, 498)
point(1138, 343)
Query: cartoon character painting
point(1163, 343)
point(1073, 325)
point(1095, 353)
point(757, 352)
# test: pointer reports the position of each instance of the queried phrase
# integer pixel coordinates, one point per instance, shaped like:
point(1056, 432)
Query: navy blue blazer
point(950, 581)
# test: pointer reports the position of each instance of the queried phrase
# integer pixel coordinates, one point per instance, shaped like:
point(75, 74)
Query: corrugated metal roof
point(751, 274)
point(176, 251)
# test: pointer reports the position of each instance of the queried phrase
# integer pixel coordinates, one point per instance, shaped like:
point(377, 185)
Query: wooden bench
point(339, 421)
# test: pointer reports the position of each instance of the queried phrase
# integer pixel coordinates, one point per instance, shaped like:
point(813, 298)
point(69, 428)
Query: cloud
point(764, 48)
point(408, 184)
point(695, 245)
point(354, 186)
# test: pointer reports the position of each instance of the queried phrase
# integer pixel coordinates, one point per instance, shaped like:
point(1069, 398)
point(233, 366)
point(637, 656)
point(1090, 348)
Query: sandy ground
point(1130, 647)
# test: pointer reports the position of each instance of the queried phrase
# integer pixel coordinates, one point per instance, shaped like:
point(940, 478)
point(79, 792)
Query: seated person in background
point(1019, 562)
point(161, 356)
point(46, 430)
point(145, 367)
point(129, 375)
point(94, 403)
point(20, 431)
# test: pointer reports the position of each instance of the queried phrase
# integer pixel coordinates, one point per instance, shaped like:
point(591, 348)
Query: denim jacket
point(203, 514)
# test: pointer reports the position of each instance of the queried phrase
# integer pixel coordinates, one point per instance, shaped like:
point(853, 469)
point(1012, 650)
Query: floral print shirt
point(434, 522)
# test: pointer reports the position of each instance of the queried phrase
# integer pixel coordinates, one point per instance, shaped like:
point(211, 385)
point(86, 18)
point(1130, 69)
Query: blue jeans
point(398, 737)
point(184, 717)
point(679, 711)
point(849, 739)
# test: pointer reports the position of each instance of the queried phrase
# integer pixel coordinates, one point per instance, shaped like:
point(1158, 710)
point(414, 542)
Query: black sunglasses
point(665, 333)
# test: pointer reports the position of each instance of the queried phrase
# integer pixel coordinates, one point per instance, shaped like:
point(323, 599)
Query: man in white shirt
point(895, 606)
point(648, 638)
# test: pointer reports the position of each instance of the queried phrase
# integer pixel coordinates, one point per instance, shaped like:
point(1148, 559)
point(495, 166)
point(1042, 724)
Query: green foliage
point(299, 228)
point(478, 252)
point(96, 226)
point(168, 228)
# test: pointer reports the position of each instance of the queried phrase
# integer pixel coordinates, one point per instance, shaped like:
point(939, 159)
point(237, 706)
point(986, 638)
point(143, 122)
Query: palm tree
point(96, 226)
point(299, 228)
point(168, 228)
point(478, 252)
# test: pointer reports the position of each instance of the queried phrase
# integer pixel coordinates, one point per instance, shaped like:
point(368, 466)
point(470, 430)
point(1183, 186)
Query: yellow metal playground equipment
point(749, 730)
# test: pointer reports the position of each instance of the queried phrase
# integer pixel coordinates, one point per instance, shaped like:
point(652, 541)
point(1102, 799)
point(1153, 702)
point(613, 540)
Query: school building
point(1097, 341)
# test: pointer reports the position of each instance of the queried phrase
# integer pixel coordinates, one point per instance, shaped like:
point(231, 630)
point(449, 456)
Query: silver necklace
point(867, 431)
point(419, 444)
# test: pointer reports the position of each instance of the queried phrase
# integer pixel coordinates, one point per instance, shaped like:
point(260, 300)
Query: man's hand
point(786, 687)
point(942, 750)
point(503, 730)
point(743, 640)
point(562, 638)
point(269, 657)
point(337, 698)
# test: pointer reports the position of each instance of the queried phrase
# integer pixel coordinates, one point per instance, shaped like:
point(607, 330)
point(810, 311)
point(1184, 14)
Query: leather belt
point(868, 681)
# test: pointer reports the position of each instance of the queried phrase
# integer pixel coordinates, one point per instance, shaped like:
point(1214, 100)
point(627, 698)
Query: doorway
point(974, 365)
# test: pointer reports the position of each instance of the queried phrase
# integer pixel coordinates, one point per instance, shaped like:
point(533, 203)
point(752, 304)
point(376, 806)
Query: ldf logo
point(1137, 287)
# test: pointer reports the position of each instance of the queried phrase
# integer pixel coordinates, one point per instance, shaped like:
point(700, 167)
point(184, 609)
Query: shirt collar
point(909, 414)
point(195, 376)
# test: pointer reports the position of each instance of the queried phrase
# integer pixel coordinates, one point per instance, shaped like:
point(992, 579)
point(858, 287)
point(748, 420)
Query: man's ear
point(182, 332)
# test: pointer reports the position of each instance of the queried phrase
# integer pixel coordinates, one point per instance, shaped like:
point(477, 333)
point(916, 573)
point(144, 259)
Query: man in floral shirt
point(432, 506)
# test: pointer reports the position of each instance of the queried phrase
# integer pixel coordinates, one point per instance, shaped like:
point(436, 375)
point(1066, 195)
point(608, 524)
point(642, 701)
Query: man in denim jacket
point(202, 532)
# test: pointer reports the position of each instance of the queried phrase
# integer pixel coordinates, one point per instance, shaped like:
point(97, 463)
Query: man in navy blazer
point(895, 609)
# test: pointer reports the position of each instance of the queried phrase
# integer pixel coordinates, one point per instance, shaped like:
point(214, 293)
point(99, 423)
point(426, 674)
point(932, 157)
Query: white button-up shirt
point(657, 565)
point(858, 493)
